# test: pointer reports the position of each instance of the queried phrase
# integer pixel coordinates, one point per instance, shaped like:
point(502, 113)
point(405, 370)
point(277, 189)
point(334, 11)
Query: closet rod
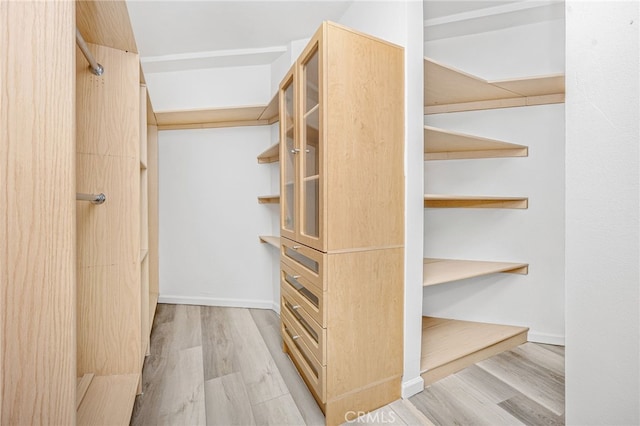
point(96, 68)
point(94, 198)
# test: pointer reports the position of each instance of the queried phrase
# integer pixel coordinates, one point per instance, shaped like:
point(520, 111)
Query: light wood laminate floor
point(225, 366)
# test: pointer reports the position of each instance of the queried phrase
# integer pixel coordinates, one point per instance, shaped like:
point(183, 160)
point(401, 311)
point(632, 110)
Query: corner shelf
point(271, 240)
point(451, 345)
point(442, 144)
point(447, 89)
point(439, 271)
point(270, 155)
point(472, 201)
point(269, 199)
point(254, 115)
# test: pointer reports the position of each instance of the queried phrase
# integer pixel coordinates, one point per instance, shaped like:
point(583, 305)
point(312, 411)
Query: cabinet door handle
point(295, 150)
point(307, 151)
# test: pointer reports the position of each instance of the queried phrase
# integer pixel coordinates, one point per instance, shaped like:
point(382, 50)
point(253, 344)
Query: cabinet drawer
point(307, 261)
point(306, 327)
point(308, 366)
point(303, 293)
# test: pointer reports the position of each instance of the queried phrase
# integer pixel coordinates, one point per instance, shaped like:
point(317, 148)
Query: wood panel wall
point(108, 261)
point(37, 213)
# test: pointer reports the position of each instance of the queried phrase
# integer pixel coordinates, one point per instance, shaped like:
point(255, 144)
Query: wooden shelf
point(439, 271)
point(143, 254)
point(273, 241)
point(108, 400)
point(447, 89)
point(253, 115)
point(451, 345)
point(269, 199)
point(270, 155)
point(442, 144)
point(472, 201)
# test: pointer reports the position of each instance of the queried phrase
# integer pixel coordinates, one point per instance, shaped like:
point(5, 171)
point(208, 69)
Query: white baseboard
point(549, 339)
point(212, 301)
point(412, 387)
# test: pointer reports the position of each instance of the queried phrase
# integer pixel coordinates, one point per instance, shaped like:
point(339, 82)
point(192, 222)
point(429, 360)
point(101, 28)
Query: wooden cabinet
point(342, 219)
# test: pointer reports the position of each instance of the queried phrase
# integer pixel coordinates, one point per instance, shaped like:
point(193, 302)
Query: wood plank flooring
point(225, 366)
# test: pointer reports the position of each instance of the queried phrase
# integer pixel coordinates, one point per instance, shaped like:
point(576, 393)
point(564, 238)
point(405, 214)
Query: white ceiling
point(175, 35)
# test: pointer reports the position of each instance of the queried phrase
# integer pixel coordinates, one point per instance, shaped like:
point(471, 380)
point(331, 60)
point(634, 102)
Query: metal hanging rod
point(94, 198)
point(96, 68)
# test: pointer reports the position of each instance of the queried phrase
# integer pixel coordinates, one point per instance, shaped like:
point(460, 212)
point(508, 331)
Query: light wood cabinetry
point(342, 219)
point(77, 313)
point(449, 345)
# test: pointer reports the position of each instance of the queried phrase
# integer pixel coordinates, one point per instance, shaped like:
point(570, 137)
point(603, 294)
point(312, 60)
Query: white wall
point(210, 88)
point(400, 22)
point(210, 218)
point(534, 235)
point(602, 206)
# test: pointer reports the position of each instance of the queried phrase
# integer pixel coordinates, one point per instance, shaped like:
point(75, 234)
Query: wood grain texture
point(281, 411)
point(109, 400)
point(83, 385)
point(227, 402)
point(439, 271)
point(152, 181)
point(106, 23)
point(440, 144)
point(474, 201)
point(217, 344)
point(450, 345)
point(444, 85)
point(364, 154)
point(37, 213)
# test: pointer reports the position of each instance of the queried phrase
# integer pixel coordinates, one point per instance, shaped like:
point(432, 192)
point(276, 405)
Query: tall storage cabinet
point(342, 219)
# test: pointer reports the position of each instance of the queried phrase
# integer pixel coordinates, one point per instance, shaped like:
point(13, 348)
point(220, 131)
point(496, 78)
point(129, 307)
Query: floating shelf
point(108, 400)
point(439, 271)
point(447, 89)
point(442, 144)
point(270, 155)
point(254, 115)
point(269, 199)
point(472, 201)
point(451, 345)
point(272, 241)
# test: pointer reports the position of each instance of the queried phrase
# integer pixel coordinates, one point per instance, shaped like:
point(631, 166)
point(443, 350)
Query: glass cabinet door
point(288, 156)
point(310, 146)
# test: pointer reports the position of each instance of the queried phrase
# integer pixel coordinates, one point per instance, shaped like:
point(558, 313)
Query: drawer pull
point(295, 247)
point(296, 337)
point(295, 277)
point(295, 307)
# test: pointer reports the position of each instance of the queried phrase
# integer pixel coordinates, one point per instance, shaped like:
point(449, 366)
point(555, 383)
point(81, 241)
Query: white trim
point(549, 339)
point(275, 307)
point(412, 387)
point(210, 301)
point(488, 11)
point(212, 54)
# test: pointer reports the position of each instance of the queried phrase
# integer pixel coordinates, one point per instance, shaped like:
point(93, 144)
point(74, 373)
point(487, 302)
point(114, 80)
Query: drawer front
point(306, 327)
point(302, 292)
point(306, 261)
point(308, 366)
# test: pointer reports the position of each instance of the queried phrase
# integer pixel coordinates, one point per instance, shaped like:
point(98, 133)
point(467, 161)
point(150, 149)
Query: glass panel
point(302, 290)
point(288, 220)
point(311, 82)
point(302, 259)
point(311, 149)
point(311, 219)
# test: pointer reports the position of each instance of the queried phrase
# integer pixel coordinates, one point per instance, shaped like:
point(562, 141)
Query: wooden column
point(37, 213)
